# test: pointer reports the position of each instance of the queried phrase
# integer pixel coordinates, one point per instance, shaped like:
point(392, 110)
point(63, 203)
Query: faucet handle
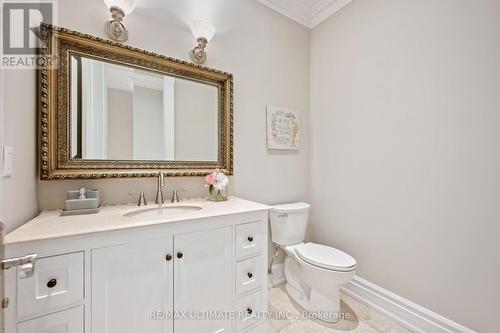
point(161, 179)
point(159, 190)
point(175, 197)
point(142, 198)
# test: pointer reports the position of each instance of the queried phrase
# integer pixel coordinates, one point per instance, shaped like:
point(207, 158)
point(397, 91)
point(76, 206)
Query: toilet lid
point(326, 257)
point(291, 208)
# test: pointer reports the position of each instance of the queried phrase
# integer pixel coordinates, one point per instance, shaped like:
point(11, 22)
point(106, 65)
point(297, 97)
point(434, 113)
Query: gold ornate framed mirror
point(108, 110)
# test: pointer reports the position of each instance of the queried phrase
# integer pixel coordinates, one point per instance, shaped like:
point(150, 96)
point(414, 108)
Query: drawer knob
point(249, 311)
point(179, 255)
point(250, 275)
point(168, 257)
point(250, 238)
point(52, 283)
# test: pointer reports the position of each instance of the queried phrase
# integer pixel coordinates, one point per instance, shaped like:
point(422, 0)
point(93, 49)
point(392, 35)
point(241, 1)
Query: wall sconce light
point(115, 28)
point(203, 32)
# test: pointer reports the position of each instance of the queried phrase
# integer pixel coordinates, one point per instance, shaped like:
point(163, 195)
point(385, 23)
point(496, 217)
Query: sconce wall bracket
point(115, 29)
point(198, 54)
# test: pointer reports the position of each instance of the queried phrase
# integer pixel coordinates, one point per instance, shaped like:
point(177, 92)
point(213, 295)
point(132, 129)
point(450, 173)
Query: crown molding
point(308, 13)
point(291, 9)
point(323, 9)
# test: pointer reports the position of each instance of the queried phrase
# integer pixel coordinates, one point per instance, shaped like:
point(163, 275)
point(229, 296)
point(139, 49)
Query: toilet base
point(322, 303)
point(317, 305)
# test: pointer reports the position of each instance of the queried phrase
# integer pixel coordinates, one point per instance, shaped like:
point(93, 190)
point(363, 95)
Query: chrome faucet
point(142, 198)
point(159, 190)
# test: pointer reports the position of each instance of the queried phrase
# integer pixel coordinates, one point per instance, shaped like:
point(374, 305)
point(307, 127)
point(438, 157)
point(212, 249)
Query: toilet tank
point(289, 223)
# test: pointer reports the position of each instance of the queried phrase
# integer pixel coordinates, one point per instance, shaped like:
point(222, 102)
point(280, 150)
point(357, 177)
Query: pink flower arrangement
point(211, 179)
point(217, 180)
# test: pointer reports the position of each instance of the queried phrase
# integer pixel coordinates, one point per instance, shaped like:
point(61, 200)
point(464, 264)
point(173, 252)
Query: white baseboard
point(413, 316)
point(277, 275)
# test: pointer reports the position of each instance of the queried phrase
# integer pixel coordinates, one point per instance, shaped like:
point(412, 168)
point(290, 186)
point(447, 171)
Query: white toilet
point(314, 273)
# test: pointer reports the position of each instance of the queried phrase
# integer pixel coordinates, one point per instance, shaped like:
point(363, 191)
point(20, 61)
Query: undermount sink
point(161, 212)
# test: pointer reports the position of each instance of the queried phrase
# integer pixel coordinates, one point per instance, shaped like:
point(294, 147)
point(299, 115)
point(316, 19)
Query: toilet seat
point(325, 257)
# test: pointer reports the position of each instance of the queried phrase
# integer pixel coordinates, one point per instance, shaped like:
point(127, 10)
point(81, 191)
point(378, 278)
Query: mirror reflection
point(126, 113)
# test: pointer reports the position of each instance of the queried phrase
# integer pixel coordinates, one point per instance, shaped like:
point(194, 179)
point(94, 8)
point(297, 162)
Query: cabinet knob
point(179, 255)
point(52, 283)
point(249, 311)
point(168, 257)
point(250, 275)
point(250, 238)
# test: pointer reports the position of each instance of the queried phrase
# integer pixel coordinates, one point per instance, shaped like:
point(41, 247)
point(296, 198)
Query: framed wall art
point(283, 128)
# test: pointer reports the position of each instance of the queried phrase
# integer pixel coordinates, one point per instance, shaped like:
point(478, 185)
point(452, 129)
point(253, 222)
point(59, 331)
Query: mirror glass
point(119, 112)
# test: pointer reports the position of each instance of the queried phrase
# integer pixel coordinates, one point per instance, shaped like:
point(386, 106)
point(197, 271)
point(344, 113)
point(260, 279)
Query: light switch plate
point(8, 155)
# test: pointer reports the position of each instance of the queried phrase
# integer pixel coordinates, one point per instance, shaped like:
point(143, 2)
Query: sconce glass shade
point(127, 6)
point(202, 29)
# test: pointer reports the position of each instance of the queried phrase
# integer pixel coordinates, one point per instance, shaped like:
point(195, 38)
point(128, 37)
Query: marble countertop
point(50, 224)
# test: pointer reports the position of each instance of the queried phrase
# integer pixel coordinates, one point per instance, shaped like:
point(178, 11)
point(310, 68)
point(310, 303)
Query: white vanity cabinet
point(203, 274)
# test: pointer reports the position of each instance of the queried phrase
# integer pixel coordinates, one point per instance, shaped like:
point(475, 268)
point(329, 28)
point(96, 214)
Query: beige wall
point(251, 42)
point(405, 130)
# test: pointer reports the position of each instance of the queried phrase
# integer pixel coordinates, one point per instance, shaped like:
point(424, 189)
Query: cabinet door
point(132, 287)
point(203, 280)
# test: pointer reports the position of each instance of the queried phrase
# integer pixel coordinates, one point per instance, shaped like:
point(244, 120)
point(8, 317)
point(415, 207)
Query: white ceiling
point(307, 12)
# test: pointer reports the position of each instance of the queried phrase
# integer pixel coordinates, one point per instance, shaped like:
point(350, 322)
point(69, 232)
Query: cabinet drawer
point(56, 281)
point(249, 275)
point(68, 321)
point(249, 310)
point(249, 239)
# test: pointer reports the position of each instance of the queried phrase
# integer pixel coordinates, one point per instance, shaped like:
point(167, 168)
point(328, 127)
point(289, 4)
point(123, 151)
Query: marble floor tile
point(361, 310)
point(365, 328)
point(309, 326)
point(398, 329)
point(304, 326)
point(379, 322)
point(277, 321)
point(288, 317)
point(280, 302)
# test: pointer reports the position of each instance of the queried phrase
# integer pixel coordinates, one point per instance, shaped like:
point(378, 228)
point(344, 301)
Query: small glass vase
point(218, 195)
